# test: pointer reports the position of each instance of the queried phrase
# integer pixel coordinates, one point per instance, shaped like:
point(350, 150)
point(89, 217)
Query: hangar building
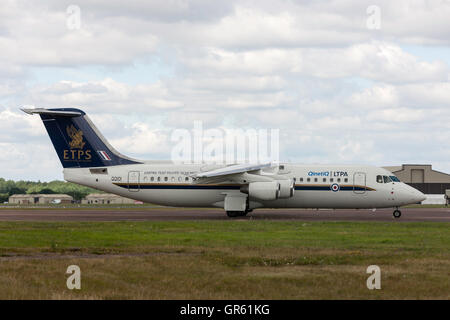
point(422, 177)
point(107, 198)
point(39, 198)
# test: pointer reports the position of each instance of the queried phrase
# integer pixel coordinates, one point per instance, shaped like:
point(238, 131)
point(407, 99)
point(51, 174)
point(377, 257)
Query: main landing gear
point(234, 214)
point(236, 205)
point(397, 213)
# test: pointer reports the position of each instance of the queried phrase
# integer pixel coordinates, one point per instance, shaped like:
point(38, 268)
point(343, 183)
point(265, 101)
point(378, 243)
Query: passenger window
point(301, 179)
point(331, 179)
point(308, 180)
point(346, 180)
point(324, 179)
point(172, 179)
point(159, 178)
point(338, 179)
point(380, 179)
point(315, 179)
point(179, 179)
point(165, 178)
point(186, 179)
point(152, 178)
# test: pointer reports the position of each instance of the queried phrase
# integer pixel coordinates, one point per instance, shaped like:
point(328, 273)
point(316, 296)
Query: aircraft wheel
point(234, 214)
point(397, 214)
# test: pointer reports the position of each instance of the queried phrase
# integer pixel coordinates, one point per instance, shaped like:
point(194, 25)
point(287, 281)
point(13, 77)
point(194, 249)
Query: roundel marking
point(335, 187)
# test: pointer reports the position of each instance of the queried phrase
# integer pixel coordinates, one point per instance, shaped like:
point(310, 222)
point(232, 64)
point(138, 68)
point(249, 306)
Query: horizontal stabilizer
point(61, 112)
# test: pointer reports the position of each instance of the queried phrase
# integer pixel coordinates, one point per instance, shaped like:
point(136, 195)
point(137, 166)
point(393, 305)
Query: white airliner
point(88, 159)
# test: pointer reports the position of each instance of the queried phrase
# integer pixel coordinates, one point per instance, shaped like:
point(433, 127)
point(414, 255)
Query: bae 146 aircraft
point(88, 159)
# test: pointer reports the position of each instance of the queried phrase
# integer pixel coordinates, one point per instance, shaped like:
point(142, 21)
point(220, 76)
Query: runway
point(172, 214)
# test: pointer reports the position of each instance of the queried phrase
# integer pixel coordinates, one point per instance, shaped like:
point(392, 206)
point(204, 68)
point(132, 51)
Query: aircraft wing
point(237, 173)
point(233, 169)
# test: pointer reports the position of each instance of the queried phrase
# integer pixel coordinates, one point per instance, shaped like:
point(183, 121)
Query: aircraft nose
point(413, 195)
point(419, 196)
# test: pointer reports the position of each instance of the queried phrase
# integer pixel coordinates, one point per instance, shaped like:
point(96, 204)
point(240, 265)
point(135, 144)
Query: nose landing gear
point(397, 213)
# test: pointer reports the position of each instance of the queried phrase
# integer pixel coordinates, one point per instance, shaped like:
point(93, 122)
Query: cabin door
point(133, 181)
point(359, 183)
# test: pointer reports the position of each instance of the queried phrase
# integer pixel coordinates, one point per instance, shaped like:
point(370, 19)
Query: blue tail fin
point(77, 141)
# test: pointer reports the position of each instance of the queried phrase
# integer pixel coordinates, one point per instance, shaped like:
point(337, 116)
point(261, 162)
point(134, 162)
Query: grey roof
point(55, 195)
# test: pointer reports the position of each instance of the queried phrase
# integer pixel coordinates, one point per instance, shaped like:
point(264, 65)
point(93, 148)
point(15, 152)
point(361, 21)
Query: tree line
point(10, 187)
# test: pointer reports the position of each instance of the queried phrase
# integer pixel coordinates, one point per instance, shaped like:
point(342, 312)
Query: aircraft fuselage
point(316, 186)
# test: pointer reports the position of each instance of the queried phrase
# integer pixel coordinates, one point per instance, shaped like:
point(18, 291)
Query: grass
point(241, 259)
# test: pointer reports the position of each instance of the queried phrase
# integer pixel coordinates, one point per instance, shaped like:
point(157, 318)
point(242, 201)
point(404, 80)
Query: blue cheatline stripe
point(180, 187)
point(328, 188)
point(231, 187)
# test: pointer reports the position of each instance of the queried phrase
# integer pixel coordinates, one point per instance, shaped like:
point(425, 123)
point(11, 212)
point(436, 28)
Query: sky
point(351, 82)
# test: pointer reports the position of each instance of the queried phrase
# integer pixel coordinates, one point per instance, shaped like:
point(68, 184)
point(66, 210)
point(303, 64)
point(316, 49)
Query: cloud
point(29, 161)
point(142, 140)
point(374, 60)
point(103, 96)
point(21, 124)
point(338, 91)
point(427, 95)
point(111, 33)
point(36, 35)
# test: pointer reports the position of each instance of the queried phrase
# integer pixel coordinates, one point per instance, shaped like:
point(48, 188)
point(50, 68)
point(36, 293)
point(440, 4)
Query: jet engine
point(286, 189)
point(263, 190)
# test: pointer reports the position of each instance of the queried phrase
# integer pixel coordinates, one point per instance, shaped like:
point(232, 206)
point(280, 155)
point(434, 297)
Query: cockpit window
point(380, 179)
point(387, 179)
point(394, 178)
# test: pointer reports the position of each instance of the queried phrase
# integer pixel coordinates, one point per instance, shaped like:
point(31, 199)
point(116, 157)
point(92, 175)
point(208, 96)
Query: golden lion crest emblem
point(76, 136)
